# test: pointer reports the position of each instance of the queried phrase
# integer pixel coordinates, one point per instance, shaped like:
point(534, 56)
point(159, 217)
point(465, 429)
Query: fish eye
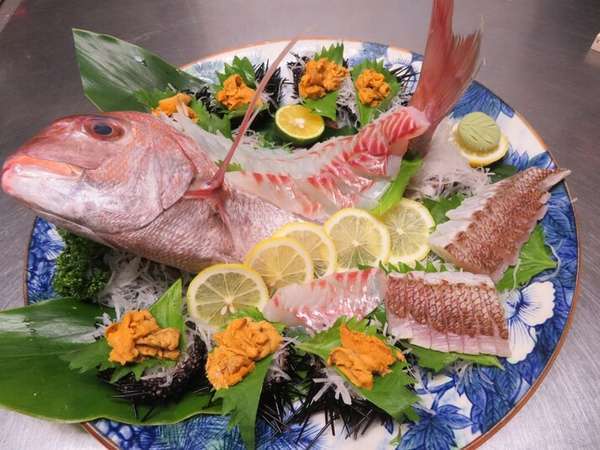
point(103, 128)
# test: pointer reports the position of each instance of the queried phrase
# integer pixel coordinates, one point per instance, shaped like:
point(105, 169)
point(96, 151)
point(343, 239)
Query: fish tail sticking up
point(450, 63)
point(217, 180)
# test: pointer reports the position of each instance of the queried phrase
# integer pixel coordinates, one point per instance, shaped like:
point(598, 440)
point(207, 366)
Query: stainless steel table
point(537, 59)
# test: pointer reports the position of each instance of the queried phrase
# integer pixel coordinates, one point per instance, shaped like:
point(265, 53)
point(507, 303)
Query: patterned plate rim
point(480, 440)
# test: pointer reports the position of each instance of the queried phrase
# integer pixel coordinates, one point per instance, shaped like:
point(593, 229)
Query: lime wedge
point(299, 124)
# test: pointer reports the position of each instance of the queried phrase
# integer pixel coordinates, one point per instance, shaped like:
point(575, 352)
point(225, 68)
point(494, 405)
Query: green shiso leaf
point(241, 401)
point(114, 72)
point(326, 106)
point(436, 361)
point(80, 269)
point(501, 171)
point(395, 190)
point(439, 208)
point(335, 53)
point(211, 122)
point(36, 380)
point(367, 113)
point(168, 309)
point(240, 66)
point(389, 392)
point(535, 257)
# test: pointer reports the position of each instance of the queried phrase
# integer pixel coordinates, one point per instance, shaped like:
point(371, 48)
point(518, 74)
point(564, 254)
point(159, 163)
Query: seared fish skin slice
point(317, 305)
point(448, 311)
point(486, 232)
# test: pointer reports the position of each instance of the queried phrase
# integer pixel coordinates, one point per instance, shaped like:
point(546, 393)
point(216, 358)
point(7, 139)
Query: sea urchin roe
point(372, 87)
point(320, 77)
point(225, 367)
point(169, 105)
point(238, 346)
point(138, 335)
point(235, 93)
point(361, 356)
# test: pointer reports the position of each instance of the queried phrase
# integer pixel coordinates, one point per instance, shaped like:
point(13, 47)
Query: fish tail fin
point(450, 63)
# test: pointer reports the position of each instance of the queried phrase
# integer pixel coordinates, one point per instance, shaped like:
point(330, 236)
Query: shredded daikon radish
point(342, 388)
point(445, 171)
point(135, 283)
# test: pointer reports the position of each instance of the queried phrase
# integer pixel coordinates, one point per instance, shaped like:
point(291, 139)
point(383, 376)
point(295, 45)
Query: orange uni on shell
point(239, 345)
point(138, 335)
point(361, 356)
point(235, 93)
point(372, 87)
point(320, 77)
point(169, 105)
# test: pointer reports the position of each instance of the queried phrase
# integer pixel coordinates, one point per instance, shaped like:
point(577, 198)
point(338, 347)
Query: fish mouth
point(22, 166)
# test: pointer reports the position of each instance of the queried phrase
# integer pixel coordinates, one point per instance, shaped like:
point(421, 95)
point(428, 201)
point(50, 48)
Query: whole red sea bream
point(131, 181)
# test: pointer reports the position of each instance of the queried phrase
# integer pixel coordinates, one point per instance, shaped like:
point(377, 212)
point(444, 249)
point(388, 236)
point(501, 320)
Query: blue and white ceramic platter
point(459, 407)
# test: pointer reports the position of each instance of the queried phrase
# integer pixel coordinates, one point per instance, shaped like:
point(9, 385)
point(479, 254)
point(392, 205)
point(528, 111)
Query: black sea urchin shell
point(188, 374)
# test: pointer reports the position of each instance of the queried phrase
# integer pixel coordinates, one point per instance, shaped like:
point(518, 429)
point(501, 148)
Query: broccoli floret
point(80, 269)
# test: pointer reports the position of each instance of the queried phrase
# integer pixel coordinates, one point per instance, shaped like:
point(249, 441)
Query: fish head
point(105, 173)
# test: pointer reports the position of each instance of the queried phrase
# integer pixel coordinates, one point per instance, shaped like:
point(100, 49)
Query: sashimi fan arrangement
point(306, 244)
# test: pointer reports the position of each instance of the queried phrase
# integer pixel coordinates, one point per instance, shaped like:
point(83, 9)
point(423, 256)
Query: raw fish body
point(317, 305)
point(486, 232)
point(447, 311)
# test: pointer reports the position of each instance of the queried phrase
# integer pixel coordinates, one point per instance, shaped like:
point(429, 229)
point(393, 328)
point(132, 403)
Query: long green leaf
point(395, 190)
point(436, 361)
point(36, 380)
point(113, 71)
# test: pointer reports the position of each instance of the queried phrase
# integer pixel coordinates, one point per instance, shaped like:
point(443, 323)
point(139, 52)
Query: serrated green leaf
point(211, 122)
point(395, 191)
point(113, 72)
point(239, 66)
point(325, 106)
point(439, 208)
point(241, 401)
point(90, 357)
point(168, 309)
point(534, 258)
point(367, 113)
point(501, 171)
point(436, 361)
point(335, 53)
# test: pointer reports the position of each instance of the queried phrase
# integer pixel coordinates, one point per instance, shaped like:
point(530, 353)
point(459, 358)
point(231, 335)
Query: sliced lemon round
point(359, 238)
point(223, 289)
point(314, 239)
point(409, 224)
point(299, 124)
point(280, 261)
point(481, 159)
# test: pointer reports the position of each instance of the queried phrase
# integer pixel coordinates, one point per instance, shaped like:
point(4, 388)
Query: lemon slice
point(280, 261)
point(314, 239)
point(409, 224)
point(359, 238)
point(299, 124)
point(222, 289)
point(481, 159)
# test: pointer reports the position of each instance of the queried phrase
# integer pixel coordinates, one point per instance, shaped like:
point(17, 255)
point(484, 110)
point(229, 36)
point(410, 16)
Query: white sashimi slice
point(317, 305)
point(341, 172)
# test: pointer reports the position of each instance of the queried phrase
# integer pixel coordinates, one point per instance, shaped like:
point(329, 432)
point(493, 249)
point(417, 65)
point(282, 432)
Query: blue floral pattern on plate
point(456, 406)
